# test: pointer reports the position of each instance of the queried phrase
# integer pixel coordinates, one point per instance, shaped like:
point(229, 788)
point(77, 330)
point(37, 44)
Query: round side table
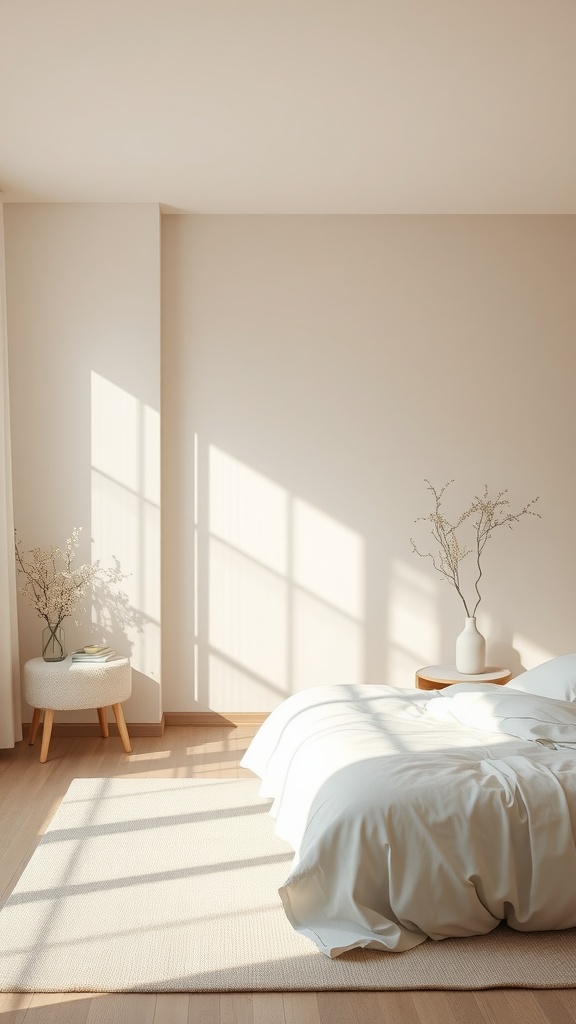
point(436, 677)
point(68, 685)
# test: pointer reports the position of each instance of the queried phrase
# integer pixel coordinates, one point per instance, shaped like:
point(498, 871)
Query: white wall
point(83, 299)
point(314, 371)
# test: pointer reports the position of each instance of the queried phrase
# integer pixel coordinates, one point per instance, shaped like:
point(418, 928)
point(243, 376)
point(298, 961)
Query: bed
point(417, 815)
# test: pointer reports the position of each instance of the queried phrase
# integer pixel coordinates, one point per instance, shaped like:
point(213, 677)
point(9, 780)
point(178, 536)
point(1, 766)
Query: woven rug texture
point(170, 885)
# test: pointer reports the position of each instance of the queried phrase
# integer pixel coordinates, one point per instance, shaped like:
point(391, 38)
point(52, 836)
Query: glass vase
point(53, 643)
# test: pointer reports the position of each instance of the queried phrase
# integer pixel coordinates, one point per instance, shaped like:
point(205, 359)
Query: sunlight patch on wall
point(248, 511)
point(328, 559)
point(531, 654)
point(125, 517)
point(116, 433)
point(239, 689)
point(285, 591)
point(247, 614)
point(413, 624)
point(150, 456)
point(328, 645)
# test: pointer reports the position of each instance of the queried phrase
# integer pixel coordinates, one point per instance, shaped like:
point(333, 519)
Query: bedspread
point(407, 827)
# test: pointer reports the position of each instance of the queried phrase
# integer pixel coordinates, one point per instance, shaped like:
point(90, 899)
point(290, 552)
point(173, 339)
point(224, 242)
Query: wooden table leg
point(46, 733)
point(119, 716)
point(103, 721)
point(34, 726)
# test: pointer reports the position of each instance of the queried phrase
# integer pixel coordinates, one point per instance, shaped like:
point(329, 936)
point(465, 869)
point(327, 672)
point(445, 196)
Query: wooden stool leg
point(47, 732)
point(34, 726)
point(119, 716)
point(103, 721)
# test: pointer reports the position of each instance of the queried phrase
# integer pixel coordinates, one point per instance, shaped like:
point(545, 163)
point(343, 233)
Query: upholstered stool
point(68, 685)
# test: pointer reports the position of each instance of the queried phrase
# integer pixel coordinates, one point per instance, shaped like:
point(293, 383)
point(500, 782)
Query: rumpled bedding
point(409, 824)
point(495, 709)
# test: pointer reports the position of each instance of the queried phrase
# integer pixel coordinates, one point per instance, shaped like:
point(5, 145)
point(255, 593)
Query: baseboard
point(222, 718)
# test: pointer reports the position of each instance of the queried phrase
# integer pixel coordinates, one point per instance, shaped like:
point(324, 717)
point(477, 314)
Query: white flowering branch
point(486, 514)
point(53, 586)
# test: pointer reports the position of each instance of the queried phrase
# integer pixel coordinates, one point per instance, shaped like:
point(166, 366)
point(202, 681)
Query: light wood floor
point(30, 794)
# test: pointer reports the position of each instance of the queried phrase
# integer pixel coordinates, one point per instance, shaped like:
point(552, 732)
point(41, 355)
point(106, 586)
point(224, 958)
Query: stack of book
point(93, 653)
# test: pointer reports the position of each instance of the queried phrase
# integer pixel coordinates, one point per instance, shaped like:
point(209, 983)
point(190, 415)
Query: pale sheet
point(406, 827)
point(527, 716)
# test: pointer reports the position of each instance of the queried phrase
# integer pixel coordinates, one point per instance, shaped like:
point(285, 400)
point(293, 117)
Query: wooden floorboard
point(30, 793)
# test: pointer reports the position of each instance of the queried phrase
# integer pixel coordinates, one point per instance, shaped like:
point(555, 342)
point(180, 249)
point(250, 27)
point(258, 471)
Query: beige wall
point(314, 371)
point(83, 298)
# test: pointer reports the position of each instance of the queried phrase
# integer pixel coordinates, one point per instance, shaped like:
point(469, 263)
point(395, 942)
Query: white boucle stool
point(67, 685)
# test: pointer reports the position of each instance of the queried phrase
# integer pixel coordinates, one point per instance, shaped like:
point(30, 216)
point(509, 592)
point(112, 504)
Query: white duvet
point(409, 823)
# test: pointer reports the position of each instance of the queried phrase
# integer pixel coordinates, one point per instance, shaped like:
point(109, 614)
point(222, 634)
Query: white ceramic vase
point(470, 650)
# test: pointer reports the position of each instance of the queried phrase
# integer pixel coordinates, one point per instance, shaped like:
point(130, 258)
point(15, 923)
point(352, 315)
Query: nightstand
point(68, 685)
point(436, 677)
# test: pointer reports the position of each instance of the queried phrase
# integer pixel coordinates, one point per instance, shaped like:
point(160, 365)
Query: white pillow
point(555, 678)
point(456, 688)
point(525, 715)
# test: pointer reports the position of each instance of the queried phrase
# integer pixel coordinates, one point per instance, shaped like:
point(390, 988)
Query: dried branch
point(54, 591)
point(486, 515)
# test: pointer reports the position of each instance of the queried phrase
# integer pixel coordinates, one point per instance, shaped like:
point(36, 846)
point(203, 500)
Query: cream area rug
point(170, 885)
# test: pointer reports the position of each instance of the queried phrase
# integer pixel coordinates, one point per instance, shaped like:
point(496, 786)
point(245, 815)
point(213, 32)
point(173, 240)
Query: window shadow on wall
point(280, 593)
point(125, 517)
